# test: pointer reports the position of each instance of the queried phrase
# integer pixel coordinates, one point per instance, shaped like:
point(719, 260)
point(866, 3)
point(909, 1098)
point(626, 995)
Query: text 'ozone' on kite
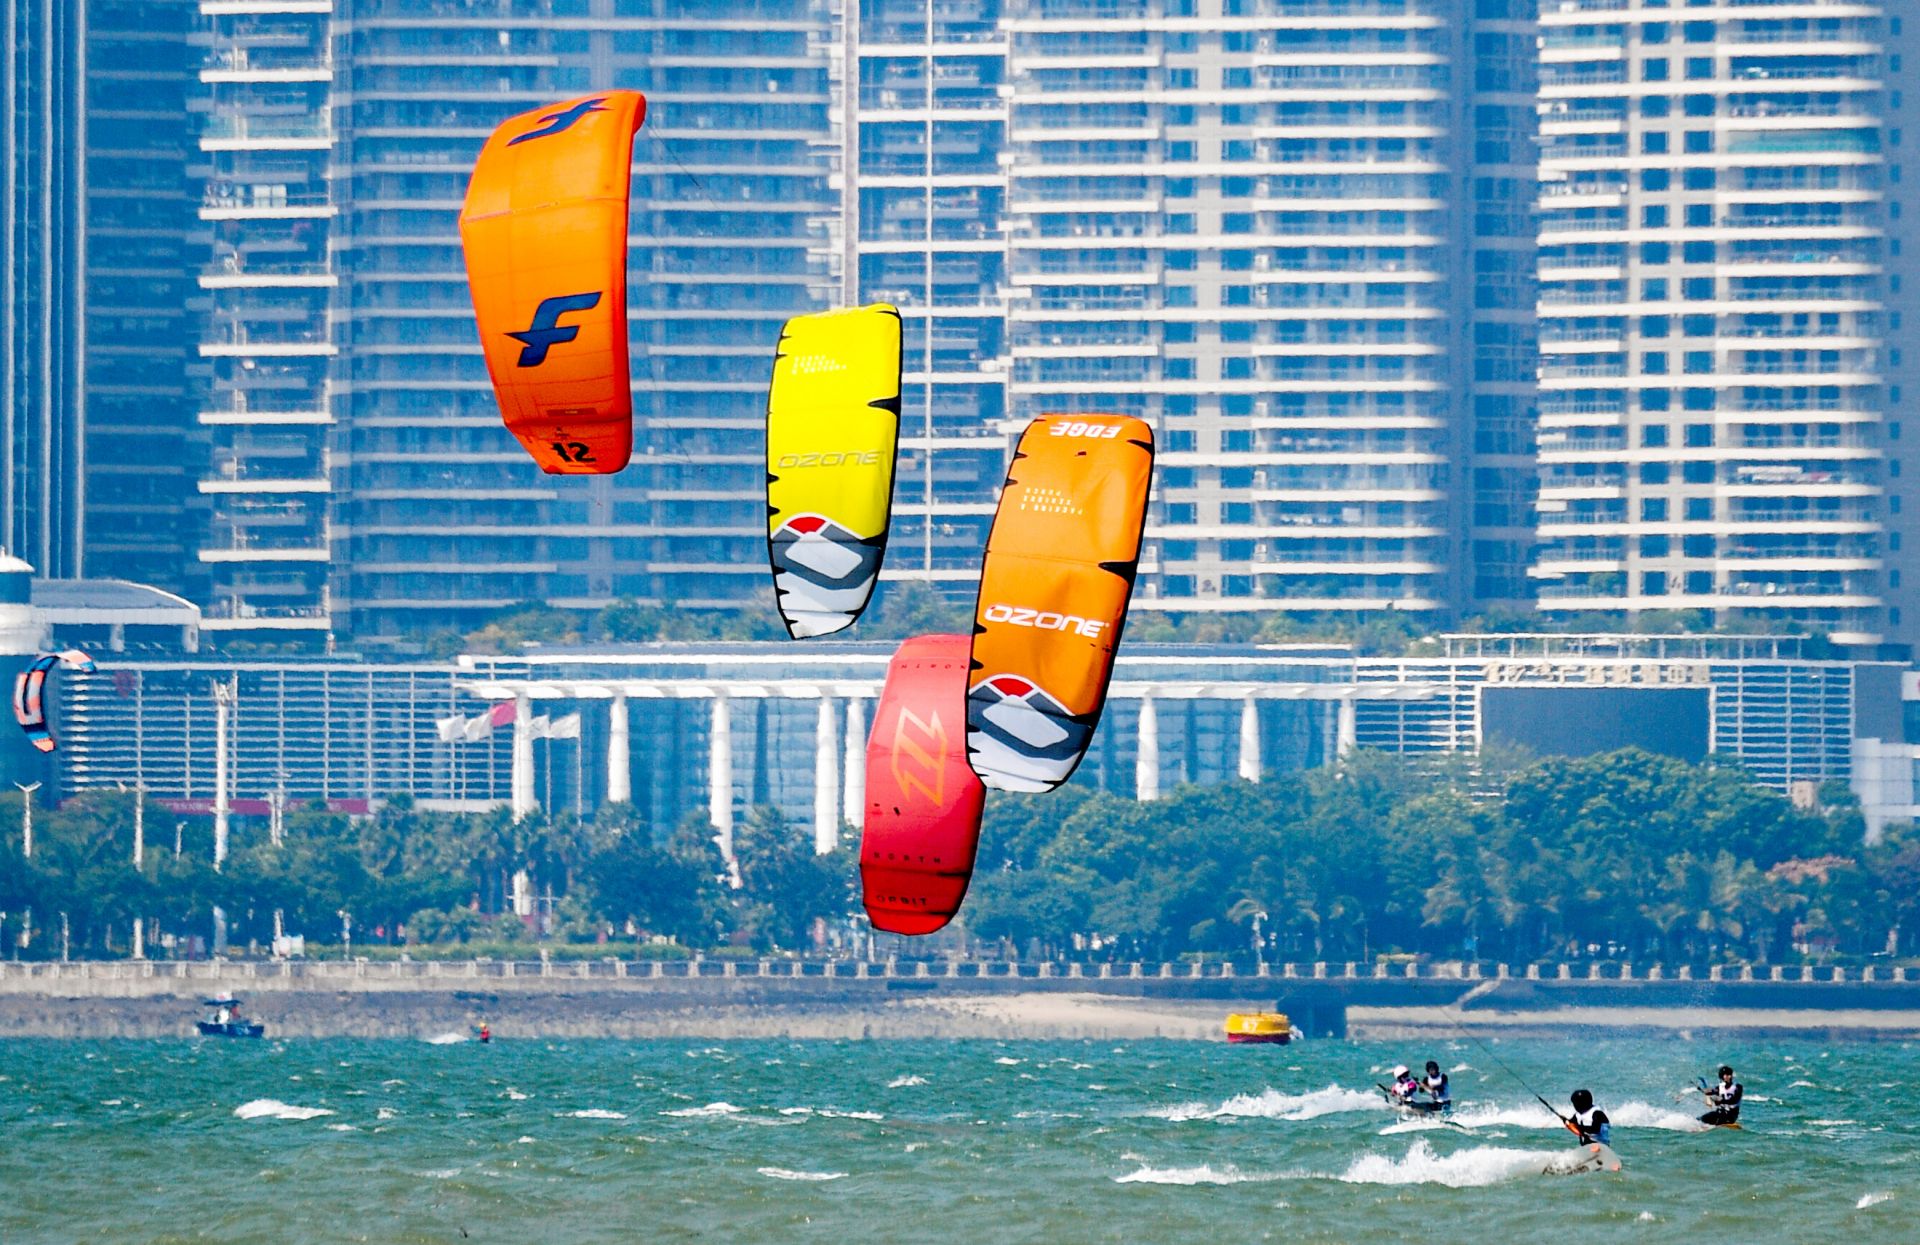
point(1054, 591)
point(922, 825)
point(30, 693)
point(833, 424)
point(544, 229)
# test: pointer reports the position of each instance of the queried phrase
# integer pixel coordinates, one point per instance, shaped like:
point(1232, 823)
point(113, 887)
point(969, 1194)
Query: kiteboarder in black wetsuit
point(1723, 1099)
point(1589, 1123)
point(1435, 1083)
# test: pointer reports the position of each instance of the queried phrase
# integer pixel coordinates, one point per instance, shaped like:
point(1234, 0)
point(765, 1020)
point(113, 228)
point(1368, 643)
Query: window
point(1654, 473)
point(1697, 546)
point(1699, 509)
point(1653, 584)
point(1699, 105)
point(1653, 510)
point(1656, 253)
point(1699, 179)
point(1656, 179)
point(1697, 289)
point(1654, 106)
point(1654, 363)
point(1653, 436)
point(1700, 583)
point(1699, 363)
point(1653, 326)
point(1653, 69)
point(1654, 142)
point(1654, 216)
point(1699, 436)
point(1699, 142)
point(1697, 473)
point(1655, 546)
point(1699, 67)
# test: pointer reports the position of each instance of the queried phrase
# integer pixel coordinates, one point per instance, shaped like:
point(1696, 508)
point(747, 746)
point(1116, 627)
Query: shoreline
point(745, 1011)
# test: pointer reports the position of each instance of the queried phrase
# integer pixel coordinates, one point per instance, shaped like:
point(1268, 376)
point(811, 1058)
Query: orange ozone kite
point(545, 234)
point(1053, 596)
point(923, 802)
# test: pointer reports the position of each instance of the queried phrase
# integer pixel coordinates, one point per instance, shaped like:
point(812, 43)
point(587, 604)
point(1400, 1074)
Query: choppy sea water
point(930, 1141)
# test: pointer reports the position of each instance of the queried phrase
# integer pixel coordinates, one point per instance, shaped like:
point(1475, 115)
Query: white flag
point(540, 726)
point(567, 727)
point(452, 730)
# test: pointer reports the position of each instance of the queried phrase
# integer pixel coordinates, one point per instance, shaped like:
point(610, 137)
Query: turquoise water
point(562, 1142)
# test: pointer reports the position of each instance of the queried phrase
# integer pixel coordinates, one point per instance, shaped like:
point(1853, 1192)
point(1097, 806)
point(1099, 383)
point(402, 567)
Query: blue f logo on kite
point(558, 121)
point(546, 329)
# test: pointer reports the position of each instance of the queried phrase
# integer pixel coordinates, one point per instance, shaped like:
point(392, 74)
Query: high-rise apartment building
point(439, 518)
point(95, 220)
point(1234, 220)
point(1713, 263)
point(925, 226)
point(144, 249)
point(266, 149)
point(42, 272)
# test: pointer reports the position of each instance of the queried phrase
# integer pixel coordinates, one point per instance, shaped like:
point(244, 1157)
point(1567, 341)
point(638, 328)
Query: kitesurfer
point(1723, 1099)
point(486, 1034)
point(1435, 1083)
point(1404, 1084)
point(1589, 1122)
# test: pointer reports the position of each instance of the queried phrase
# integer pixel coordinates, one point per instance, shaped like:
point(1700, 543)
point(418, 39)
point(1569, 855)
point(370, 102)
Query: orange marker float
point(923, 802)
point(545, 234)
point(1054, 591)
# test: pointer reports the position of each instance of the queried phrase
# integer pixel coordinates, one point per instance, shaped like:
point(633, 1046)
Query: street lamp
point(346, 933)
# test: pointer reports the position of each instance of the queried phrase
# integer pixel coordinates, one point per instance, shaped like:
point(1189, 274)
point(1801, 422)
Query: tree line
point(1622, 856)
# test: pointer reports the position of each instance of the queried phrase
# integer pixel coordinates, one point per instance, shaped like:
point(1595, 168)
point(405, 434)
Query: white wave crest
point(1271, 1104)
point(1463, 1169)
point(1203, 1174)
point(1532, 1115)
point(711, 1109)
point(591, 1113)
point(781, 1173)
point(1872, 1199)
point(446, 1039)
point(1006, 1062)
point(274, 1109)
point(903, 1082)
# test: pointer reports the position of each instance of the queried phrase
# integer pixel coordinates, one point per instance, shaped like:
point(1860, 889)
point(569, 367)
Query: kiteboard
point(1591, 1157)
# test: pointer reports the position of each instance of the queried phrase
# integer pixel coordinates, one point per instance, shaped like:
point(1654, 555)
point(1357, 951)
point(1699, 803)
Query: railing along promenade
point(208, 975)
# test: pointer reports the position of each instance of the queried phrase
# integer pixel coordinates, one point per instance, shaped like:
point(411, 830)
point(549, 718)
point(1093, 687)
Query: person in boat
point(1589, 1122)
point(1723, 1099)
point(1404, 1085)
point(1435, 1083)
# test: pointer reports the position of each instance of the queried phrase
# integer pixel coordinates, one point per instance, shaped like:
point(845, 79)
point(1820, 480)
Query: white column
point(139, 833)
point(222, 728)
point(826, 781)
point(619, 753)
point(139, 938)
point(1346, 733)
point(720, 783)
point(854, 810)
point(1250, 739)
point(521, 782)
point(1146, 766)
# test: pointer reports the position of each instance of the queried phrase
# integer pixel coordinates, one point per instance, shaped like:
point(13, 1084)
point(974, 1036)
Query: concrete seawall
point(854, 1000)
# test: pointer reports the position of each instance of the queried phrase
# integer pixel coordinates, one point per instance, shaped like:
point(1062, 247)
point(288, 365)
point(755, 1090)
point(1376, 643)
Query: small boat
point(1270, 1028)
point(224, 1020)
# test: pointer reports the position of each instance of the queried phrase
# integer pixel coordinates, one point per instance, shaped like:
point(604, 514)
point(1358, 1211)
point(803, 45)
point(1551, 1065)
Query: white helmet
point(1400, 1069)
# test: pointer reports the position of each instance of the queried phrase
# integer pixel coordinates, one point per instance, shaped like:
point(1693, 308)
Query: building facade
point(1436, 306)
point(1714, 330)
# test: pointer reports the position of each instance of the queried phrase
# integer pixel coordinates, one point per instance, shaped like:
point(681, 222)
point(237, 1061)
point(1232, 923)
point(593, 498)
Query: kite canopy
point(833, 422)
point(923, 802)
point(29, 693)
point(1054, 590)
point(545, 234)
